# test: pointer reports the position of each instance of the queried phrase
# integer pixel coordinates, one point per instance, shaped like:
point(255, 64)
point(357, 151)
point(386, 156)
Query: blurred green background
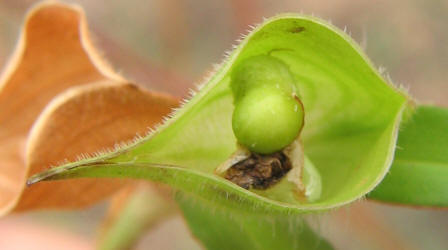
point(169, 45)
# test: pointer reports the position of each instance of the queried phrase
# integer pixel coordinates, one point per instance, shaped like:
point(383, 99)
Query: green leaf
point(419, 174)
point(352, 118)
point(222, 228)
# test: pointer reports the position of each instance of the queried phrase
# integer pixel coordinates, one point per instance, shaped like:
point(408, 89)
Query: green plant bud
point(259, 71)
point(267, 117)
point(266, 120)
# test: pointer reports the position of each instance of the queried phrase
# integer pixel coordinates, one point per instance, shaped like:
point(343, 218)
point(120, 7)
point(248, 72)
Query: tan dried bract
point(58, 100)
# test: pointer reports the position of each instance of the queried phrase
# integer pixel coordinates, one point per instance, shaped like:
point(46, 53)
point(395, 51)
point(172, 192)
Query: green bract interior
point(351, 123)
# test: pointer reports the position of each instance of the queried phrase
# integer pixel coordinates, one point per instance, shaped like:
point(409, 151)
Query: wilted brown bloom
point(59, 99)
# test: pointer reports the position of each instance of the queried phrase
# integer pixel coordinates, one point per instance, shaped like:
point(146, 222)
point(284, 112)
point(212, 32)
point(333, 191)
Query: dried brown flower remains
point(259, 171)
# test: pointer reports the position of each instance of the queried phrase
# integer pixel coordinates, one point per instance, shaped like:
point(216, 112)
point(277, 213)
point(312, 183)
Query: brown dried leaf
point(54, 54)
point(86, 119)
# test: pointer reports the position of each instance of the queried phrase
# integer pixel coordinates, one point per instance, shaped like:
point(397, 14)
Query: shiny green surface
point(419, 174)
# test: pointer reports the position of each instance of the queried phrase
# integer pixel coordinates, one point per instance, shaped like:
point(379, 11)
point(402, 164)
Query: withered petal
point(53, 56)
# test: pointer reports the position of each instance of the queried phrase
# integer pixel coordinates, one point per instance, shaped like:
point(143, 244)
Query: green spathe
point(352, 120)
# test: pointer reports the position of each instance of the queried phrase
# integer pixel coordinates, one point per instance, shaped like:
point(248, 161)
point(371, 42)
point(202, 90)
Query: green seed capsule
point(267, 117)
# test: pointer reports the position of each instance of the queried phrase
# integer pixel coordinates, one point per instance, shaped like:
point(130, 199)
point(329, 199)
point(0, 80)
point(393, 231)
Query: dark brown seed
point(259, 171)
